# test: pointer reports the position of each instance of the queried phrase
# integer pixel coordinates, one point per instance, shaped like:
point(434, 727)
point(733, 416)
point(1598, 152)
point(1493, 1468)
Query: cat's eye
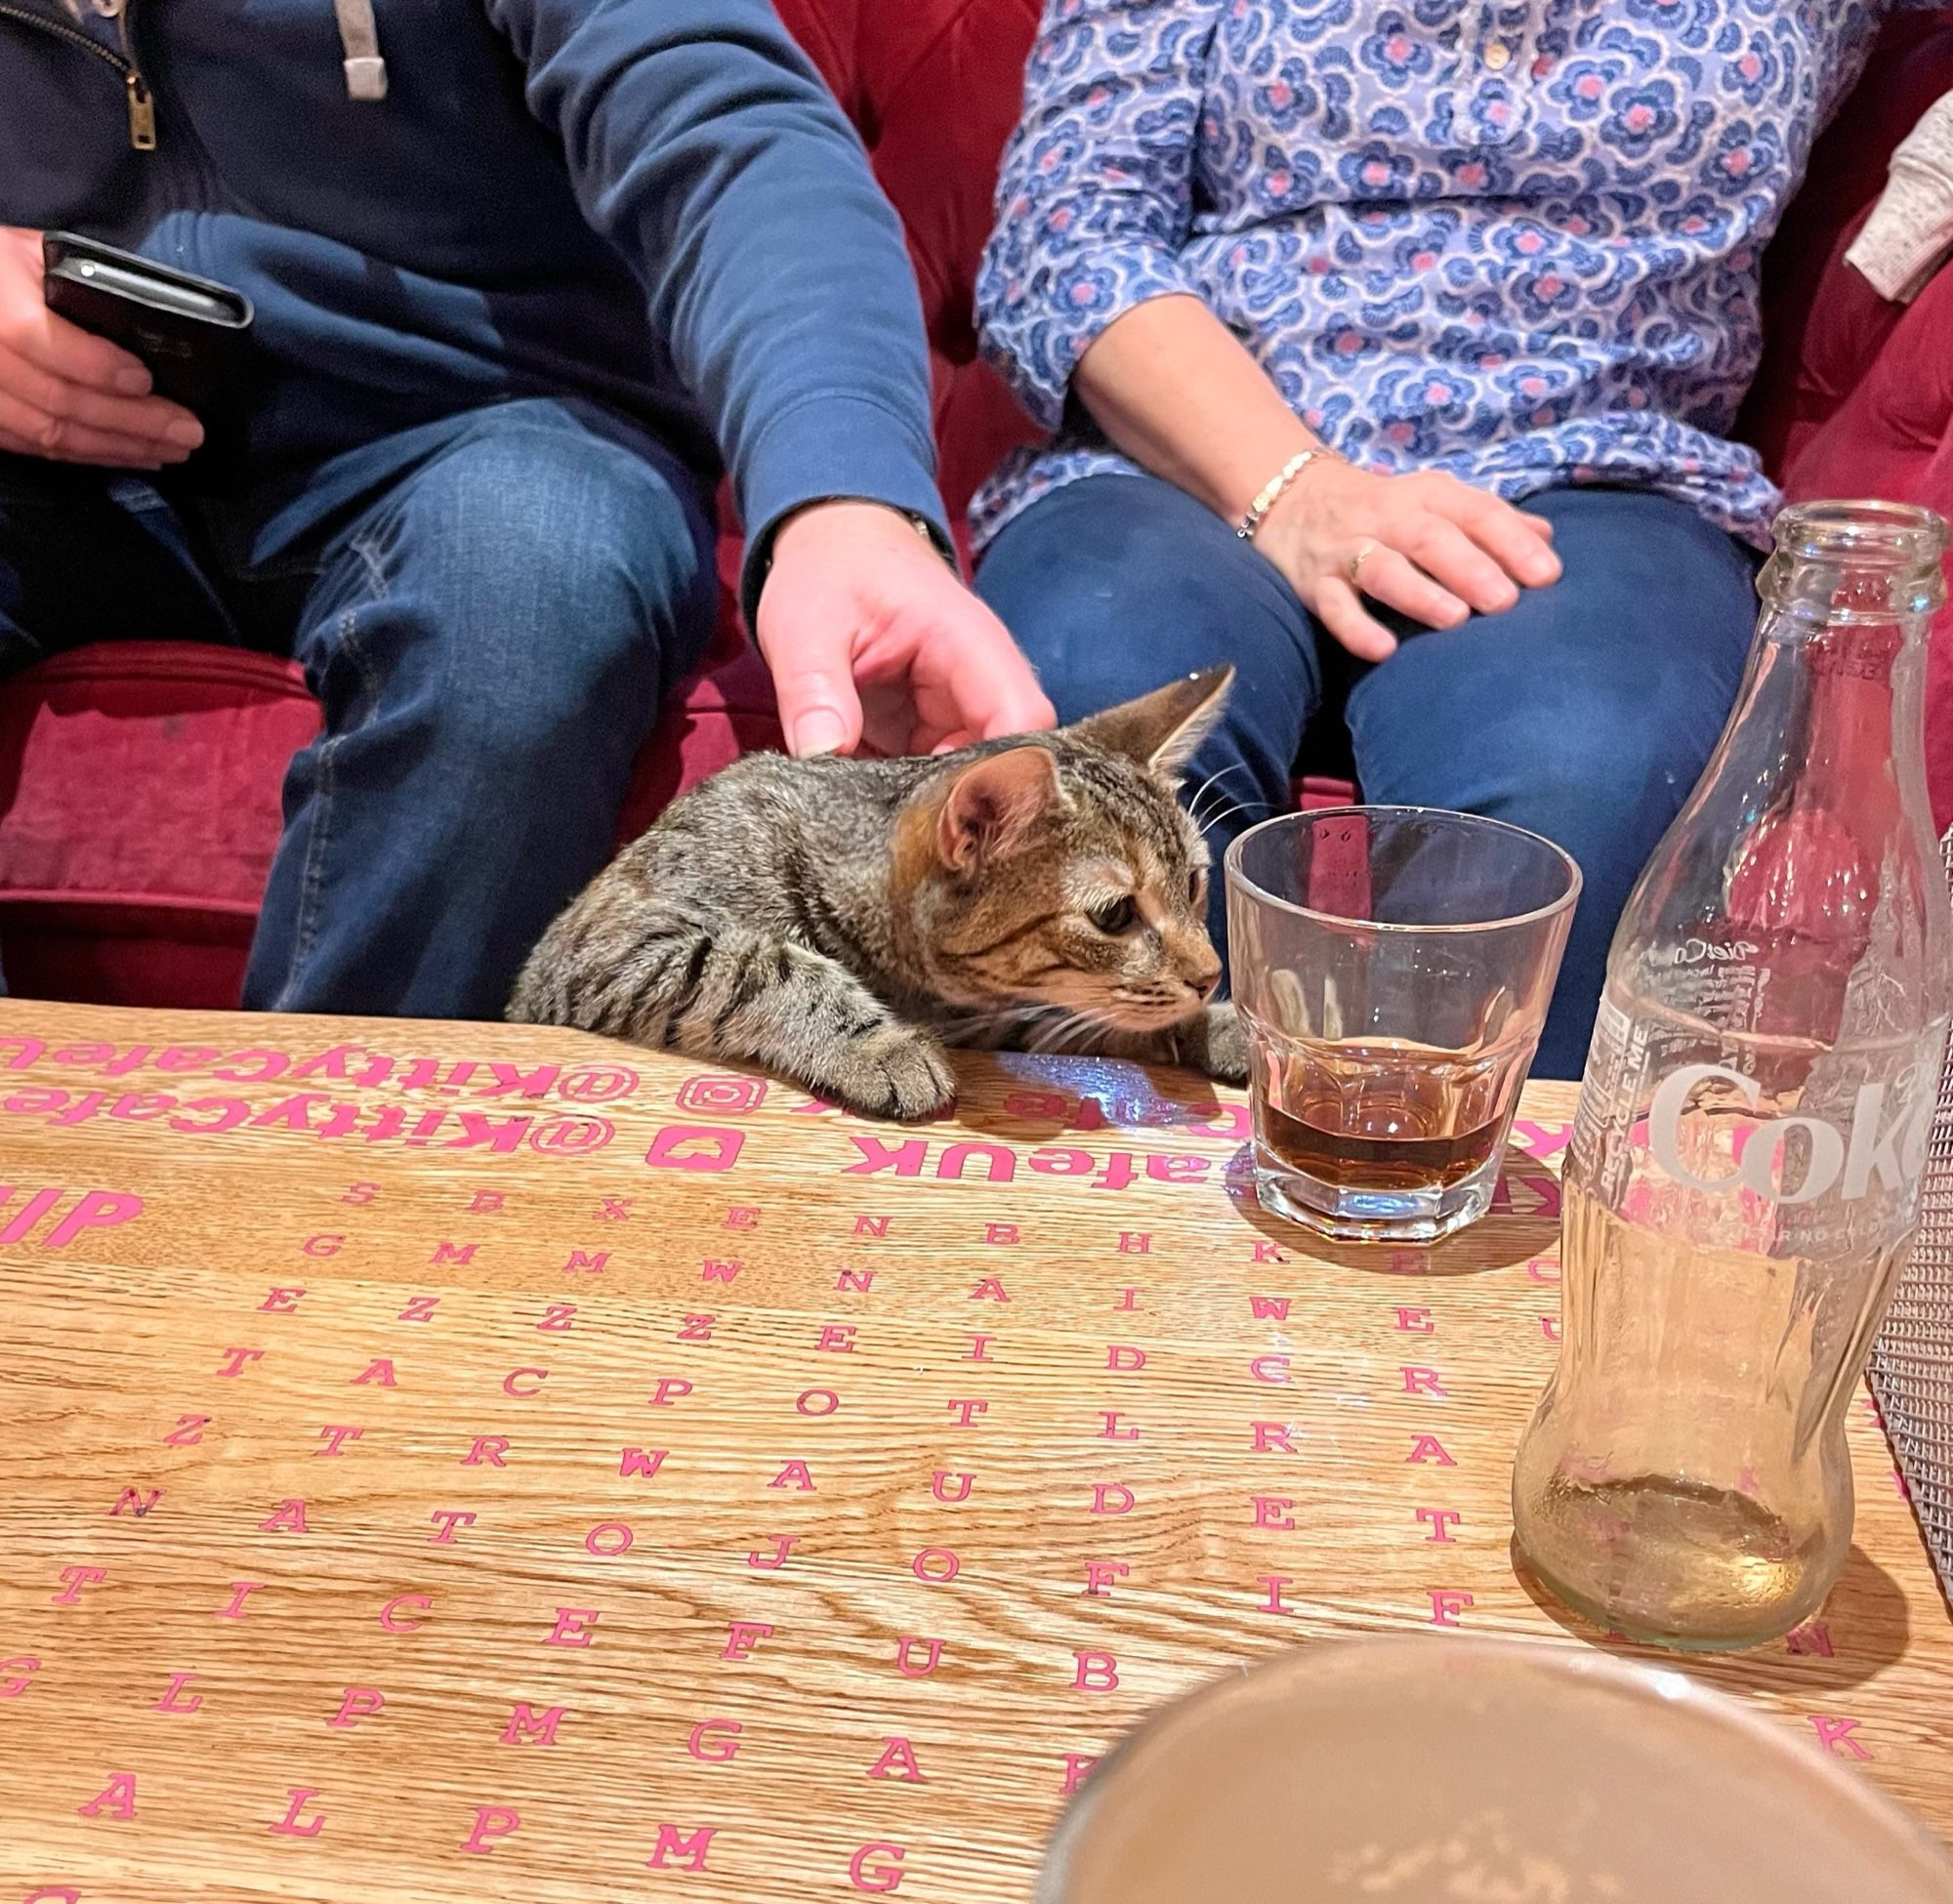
point(1114, 917)
point(1195, 881)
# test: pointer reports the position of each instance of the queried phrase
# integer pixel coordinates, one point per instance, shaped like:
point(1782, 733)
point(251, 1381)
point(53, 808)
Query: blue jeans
point(1586, 713)
point(490, 637)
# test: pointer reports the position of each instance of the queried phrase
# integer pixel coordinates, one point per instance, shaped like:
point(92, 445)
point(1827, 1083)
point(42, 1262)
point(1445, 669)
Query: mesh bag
point(1912, 1361)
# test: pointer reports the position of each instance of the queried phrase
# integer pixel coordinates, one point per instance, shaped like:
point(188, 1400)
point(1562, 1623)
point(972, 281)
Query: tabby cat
point(841, 921)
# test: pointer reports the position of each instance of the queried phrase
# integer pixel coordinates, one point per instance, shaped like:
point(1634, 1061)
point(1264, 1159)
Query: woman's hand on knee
point(1427, 545)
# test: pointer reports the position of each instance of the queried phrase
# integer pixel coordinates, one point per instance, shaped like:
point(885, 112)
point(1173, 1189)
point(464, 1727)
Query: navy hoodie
point(655, 204)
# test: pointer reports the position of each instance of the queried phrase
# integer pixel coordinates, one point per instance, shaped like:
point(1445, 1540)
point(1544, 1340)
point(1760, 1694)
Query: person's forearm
point(702, 143)
point(1173, 388)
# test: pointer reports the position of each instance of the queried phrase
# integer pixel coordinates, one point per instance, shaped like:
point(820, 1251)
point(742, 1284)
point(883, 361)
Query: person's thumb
point(820, 709)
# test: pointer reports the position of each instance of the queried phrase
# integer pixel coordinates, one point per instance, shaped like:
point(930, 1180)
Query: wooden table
point(445, 1461)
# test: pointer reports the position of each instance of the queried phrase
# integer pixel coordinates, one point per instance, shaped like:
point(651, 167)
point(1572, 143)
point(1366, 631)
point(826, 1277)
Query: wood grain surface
point(449, 1461)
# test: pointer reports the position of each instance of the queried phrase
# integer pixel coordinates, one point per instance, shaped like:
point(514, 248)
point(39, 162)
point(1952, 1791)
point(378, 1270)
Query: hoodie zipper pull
point(141, 114)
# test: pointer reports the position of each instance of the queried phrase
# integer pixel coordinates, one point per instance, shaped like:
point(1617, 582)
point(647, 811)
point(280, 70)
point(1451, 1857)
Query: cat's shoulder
point(777, 795)
point(770, 777)
point(750, 781)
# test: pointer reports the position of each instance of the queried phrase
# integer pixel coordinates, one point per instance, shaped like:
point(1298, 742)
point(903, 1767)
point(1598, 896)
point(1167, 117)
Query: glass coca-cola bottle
point(1743, 1180)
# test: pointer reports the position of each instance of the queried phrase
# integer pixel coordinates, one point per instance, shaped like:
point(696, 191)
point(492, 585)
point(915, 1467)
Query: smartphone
point(191, 332)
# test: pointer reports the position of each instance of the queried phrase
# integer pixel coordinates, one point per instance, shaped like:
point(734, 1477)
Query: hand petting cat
point(871, 636)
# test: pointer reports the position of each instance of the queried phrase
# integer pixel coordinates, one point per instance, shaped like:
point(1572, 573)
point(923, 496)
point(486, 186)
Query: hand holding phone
point(71, 397)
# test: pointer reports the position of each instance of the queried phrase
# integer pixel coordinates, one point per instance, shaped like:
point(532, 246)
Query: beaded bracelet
point(1258, 509)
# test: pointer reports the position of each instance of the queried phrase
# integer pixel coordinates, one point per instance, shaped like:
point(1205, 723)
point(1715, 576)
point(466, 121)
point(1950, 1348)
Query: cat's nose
point(1207, 983)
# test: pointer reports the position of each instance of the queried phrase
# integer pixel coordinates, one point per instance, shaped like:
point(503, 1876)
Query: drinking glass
point(1446, 1767)
point(1392, 966)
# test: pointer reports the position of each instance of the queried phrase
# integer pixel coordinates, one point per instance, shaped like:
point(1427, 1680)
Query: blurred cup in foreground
point(1422, 1771)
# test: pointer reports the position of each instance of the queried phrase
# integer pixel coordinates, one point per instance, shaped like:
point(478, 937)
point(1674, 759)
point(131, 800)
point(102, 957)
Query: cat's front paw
point(1219, 1049)
point(895, 1072)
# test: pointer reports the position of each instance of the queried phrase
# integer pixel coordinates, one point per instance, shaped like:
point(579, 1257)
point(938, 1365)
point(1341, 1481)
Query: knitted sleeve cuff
point(1911, 227)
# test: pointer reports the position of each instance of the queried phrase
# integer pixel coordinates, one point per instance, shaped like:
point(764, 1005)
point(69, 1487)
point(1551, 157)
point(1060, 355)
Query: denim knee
point(555, 581)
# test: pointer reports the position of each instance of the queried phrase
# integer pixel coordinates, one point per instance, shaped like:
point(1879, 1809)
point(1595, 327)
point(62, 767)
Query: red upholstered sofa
point(139, 781)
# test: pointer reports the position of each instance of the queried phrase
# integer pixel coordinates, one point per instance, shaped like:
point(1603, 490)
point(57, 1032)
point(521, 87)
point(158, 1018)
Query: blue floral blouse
point(1514, 240)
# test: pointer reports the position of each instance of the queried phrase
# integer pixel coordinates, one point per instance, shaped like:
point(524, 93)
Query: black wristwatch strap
point(921, 523)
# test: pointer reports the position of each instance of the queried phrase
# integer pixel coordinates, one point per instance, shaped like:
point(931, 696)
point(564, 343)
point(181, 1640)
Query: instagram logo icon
point(722, 1094)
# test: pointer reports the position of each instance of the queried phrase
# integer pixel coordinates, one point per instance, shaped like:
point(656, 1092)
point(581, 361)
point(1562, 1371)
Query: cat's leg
point(772, 1003)
point(1215, 1044)
point(730, 995)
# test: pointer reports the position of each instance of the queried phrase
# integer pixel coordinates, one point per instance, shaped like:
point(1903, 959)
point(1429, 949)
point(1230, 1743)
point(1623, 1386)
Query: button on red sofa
point(139, 781)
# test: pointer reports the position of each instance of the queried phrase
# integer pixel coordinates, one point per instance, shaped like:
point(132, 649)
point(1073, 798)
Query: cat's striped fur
point(840, 921)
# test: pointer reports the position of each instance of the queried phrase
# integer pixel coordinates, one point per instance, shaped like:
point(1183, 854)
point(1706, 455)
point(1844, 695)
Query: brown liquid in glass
point(1359, 1163)
point(1381, 1116)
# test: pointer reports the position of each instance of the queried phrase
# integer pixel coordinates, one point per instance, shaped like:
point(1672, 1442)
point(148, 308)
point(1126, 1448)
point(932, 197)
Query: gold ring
point(1356, 563)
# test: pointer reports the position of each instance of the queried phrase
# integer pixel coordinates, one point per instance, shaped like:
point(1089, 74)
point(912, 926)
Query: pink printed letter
point(116, 1800)
point(886, 1873)
point(359, 1702)
point(491, 1821)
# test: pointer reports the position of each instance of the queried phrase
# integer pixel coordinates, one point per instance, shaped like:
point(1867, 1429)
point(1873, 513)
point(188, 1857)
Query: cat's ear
point(995, 800)
point(1162, 729)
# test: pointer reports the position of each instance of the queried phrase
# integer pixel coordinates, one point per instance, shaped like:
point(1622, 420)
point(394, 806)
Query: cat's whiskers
point(1001, 1029)
point(1227, 808)
point(1220, 773)
point(1050, 1035)
point(1072, 1026)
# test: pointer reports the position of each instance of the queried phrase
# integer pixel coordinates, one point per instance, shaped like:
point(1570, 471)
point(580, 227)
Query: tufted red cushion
point(1825, 324)
point(139, 799)
point(139, 782)
point(1891, 435)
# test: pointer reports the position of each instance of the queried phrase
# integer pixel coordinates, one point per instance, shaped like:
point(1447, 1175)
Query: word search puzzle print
point(447, 1461)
